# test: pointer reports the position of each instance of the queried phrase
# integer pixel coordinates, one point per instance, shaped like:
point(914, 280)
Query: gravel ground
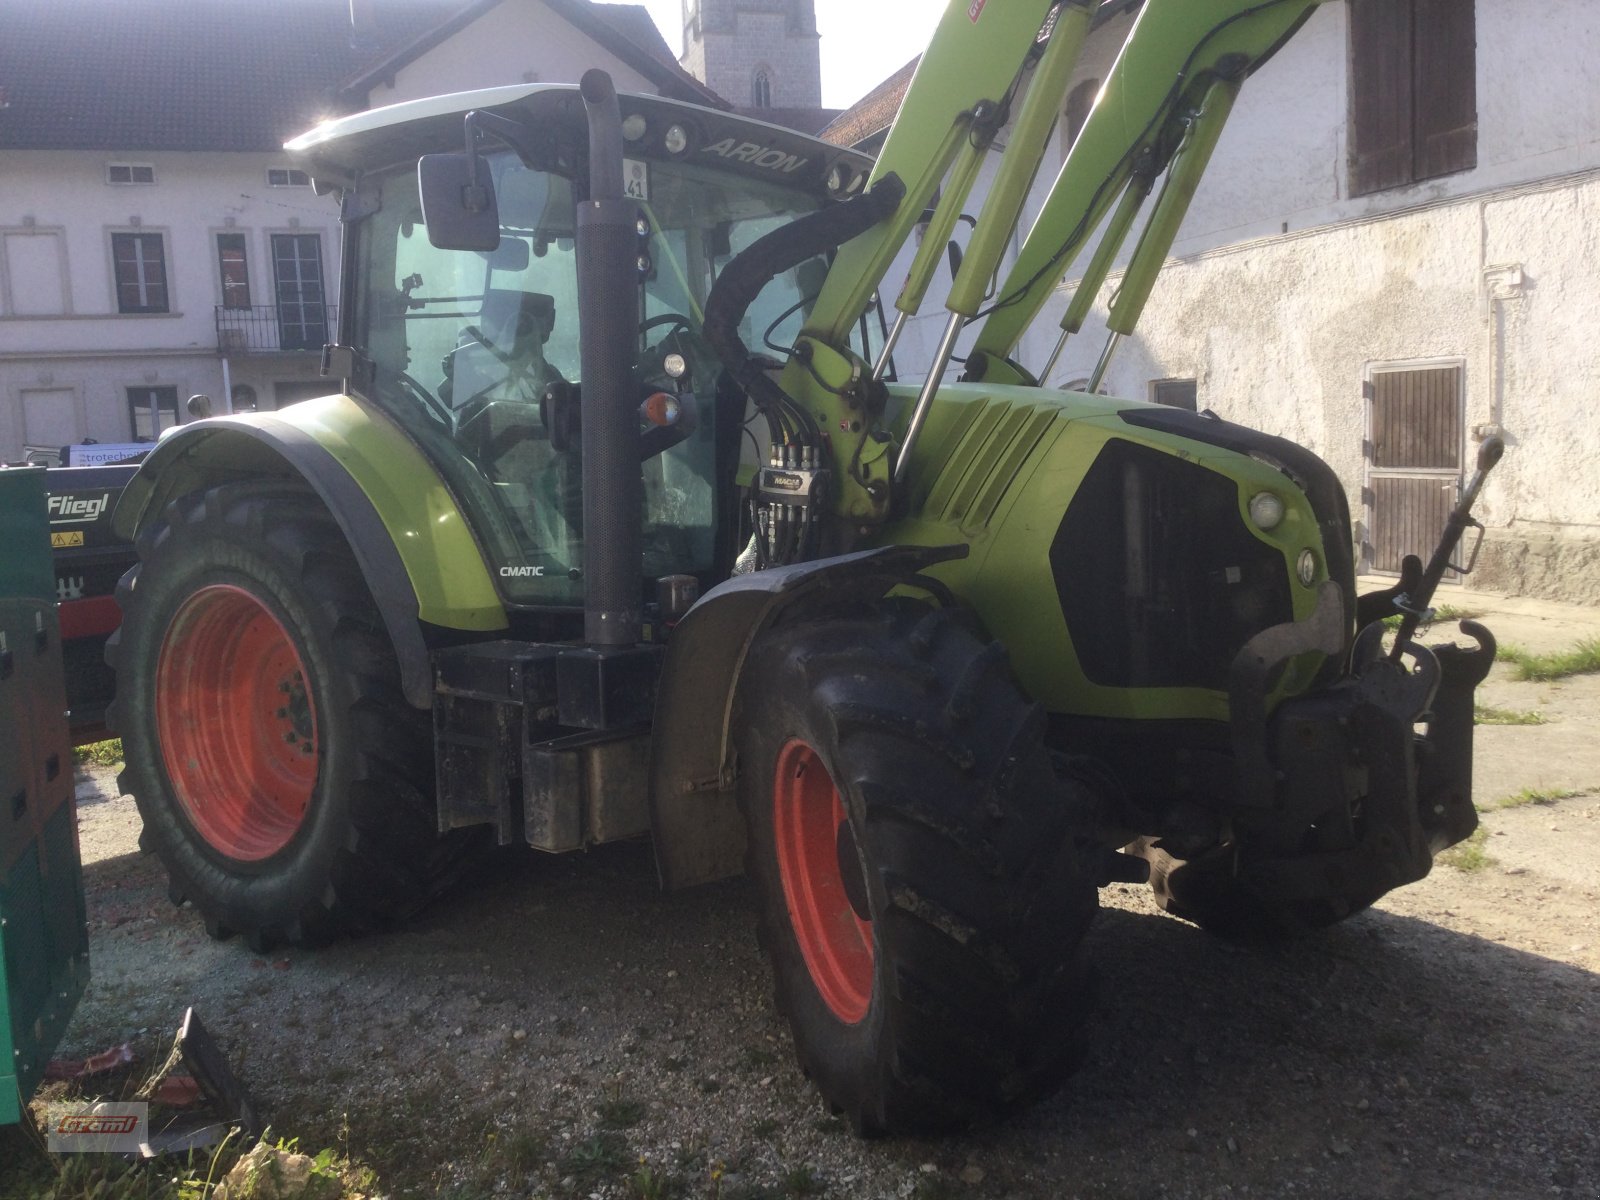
point(563, 1029)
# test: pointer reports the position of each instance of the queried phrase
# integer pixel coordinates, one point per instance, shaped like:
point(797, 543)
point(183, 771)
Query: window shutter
point(1446, 87)
point(1380, 95)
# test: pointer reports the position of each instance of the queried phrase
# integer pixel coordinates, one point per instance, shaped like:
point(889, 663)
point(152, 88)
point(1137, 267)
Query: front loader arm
point(1161, 108)
point(993, 66)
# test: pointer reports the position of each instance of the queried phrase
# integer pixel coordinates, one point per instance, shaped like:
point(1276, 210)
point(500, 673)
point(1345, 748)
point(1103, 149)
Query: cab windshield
point(468, 349)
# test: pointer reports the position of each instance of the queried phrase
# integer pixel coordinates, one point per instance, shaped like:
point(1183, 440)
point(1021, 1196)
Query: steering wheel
point(677, 320)
point(435, 407)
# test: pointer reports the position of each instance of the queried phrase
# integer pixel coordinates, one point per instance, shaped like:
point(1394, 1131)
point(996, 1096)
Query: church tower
point(755, 53)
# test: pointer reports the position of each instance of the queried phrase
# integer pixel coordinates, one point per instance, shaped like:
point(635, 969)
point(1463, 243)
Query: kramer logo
point(97, 1128)
point(521, 572)
point(758, 156)
point(69, 510)
point(97, 1123)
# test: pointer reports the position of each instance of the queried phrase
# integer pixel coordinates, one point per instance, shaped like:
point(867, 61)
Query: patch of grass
point(1530, 795)
point(830, 1125)
point(101, 754)
point(647, 1183)
point(522, 1152)
point(764, 1128)
point(596, 1157)
point(1469, 855)
point(1487, 714)
point(803, 1181)
point(1582, 659)
point(192, 1176)
point(1442, 612)
point(619, 1112)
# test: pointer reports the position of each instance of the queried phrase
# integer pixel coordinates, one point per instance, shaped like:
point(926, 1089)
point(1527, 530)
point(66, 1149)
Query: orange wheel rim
point(811, 832)
point(237, 723)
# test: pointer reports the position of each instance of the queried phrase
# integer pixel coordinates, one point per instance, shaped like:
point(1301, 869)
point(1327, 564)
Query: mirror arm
point(514, 134)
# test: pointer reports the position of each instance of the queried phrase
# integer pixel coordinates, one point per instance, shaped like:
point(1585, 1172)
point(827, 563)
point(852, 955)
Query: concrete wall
point(518, 41)
point(67, 355)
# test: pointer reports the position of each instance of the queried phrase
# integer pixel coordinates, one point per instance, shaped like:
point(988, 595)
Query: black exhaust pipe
point(608, 309)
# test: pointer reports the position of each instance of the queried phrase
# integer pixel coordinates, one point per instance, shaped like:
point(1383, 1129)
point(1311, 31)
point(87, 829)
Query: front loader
point(620, 526)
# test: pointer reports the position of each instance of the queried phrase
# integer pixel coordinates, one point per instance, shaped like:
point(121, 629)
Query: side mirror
point(458, 202)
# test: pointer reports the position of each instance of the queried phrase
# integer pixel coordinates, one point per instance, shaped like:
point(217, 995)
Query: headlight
point(1306, 568)
point(1266, 510)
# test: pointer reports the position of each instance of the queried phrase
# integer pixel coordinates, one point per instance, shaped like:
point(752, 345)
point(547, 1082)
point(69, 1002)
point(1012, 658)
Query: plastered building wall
point(518, 42)
point(67, 355)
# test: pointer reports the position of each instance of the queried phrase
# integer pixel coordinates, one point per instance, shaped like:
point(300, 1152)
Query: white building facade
point(131, 281)
point(154, 242)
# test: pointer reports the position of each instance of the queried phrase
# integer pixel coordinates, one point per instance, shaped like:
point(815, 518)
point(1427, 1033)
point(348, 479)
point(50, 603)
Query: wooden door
point(1413, 461)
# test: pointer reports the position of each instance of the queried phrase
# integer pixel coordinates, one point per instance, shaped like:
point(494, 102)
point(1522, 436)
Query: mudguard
point(694, 807)
point(412, 543)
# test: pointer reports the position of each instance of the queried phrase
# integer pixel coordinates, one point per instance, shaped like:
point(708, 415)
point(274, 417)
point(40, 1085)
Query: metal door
point(1414, 419)
point(302, 303)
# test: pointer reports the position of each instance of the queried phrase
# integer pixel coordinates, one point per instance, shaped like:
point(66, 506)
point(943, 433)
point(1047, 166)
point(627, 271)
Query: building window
point(1079, 101)
point(1176, 393)
point(33, 276)
point(130, 173)
point(761, 92)
point(235, 270)
point(297, 281)
point(1413, 91)
point(285, 177)
point(150, 410)
point(141, 270)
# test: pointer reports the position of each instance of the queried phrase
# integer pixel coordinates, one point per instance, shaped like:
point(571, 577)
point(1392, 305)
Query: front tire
point(923, 897)
point(282, 778)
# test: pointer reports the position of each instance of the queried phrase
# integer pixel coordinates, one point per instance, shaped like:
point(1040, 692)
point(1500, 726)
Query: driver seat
point(504, 360)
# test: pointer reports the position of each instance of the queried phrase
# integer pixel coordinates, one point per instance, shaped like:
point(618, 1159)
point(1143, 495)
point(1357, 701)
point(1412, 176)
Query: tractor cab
point(475, 352)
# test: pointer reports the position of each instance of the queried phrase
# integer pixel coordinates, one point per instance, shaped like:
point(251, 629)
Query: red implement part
point(237, 723)
point(807, 818)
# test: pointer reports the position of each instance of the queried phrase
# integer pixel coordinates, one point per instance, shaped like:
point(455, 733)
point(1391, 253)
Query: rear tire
point(283, 779)
point(923, 897)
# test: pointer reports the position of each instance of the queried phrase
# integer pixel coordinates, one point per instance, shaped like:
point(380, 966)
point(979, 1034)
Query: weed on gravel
point(1487, 714)
point(101, 754)
point(1582, 659)
point(1530, 795)
point(1469, 855)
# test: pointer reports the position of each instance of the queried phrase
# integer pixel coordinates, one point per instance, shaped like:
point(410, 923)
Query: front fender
point(694, 807)
point(410, 540)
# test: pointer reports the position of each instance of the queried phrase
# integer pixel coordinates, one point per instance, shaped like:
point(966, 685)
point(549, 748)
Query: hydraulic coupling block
point(789, 495)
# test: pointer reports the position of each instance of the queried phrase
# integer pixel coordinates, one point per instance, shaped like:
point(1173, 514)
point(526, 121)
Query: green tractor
point(619, 526)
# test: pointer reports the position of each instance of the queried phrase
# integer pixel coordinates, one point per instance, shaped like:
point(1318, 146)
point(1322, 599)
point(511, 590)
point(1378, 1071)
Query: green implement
point(44, 943)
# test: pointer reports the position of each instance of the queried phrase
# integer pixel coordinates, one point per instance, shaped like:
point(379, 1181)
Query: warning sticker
point(61, 541)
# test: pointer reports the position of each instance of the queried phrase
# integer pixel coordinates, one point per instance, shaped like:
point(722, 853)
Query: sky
point(863, 41)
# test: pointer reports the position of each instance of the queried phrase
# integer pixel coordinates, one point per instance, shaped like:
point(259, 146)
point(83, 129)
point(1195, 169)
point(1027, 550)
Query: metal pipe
point(882, 365)
point(1104, 364)
point(919, 415)
point(1050, 363)
point(608, 306)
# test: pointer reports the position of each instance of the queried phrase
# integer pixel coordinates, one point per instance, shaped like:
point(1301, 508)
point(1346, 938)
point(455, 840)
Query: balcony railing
point(303, 327)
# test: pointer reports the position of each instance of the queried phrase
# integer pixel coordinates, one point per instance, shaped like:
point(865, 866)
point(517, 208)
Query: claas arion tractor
point(620, 526)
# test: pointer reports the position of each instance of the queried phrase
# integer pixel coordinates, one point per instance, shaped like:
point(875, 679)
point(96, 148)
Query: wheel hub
point(236, 722)
point(823, 883)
